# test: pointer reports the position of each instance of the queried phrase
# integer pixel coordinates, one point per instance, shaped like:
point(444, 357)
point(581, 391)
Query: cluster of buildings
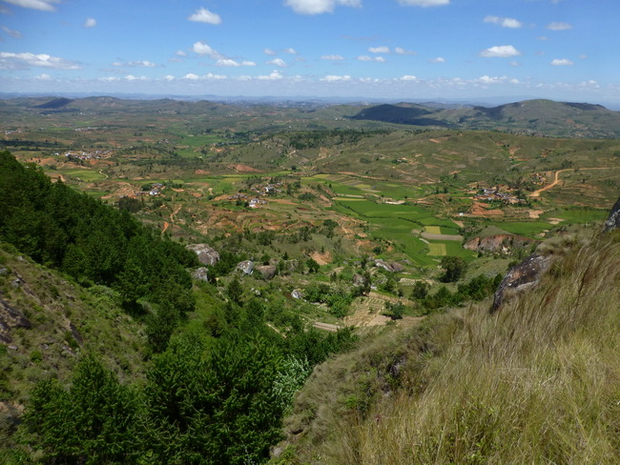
point(493, 194)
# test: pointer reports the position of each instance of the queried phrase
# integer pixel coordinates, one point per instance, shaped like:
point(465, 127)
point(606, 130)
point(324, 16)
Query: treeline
point(95, 244)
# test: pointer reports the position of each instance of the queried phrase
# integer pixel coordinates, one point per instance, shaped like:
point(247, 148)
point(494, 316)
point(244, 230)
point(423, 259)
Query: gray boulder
point(207, 255)
point(267, 271)
point(520, 278)
point(613, 222)
point(246, 266)
point(201, 274)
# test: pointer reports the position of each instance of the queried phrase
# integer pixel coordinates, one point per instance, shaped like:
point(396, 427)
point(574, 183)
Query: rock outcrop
point(520, 278)
point(10, 318)
point(267, 271)
point(201, 274)
point(246, 266)
point(613, 222)
point(498, 243)
point(207, 255)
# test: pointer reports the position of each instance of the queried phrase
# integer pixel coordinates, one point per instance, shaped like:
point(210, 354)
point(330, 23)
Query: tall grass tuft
point(537, 382)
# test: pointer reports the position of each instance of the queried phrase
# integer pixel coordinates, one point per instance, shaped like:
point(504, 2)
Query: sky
point(495, 50)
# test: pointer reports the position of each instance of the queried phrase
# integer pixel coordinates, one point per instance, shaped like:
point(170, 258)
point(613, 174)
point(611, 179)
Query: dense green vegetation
point(95, 244)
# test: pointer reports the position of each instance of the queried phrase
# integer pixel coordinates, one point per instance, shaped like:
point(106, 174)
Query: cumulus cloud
point(12, 33)
point(402, 51)
point(559, 26)
point(191, 77)
point(503, 22)
point(168, 78)
point(90, 22)
point(332, 57)
point(408, 77)
point(203, 49)
point(43, 77)
point(332, 78)
point(367, 58)
point(437, 60)
point(424, 3)
point(181, 53)
point(562, 62)
point(43, 5)
point(232, 63)
point(202, 15)
point(500, 51)
point(269, 52)
point(291, 51)
point(274, 76)
point(382, 49)
point(279, 62)
point(26, 60)
point(131, 77)
point(316, 7)
point(135, 64)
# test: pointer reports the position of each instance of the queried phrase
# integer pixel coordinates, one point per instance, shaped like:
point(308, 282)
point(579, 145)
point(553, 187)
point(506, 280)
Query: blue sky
point(392, 49)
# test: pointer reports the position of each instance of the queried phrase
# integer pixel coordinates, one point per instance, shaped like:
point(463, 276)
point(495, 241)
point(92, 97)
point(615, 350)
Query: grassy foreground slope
point(536, 382)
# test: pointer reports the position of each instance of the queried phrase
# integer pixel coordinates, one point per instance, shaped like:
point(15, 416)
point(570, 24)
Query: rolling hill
point(535, 117)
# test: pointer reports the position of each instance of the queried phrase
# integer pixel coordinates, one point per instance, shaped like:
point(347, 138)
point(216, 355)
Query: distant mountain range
point(528, 117)
point(535, 117)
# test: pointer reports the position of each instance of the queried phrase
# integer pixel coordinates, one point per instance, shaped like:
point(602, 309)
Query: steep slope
point(535, 383)
point(46, 323)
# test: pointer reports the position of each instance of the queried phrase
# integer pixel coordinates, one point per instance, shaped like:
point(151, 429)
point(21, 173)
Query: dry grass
point(538, 382)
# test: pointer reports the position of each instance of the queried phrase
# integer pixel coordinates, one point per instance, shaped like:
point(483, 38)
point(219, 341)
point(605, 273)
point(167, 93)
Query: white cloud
point(316, 7)
point(583, 57)
point(90, 22)
point(202, 15)
point(131, 77)
point(332, 57)
point(332, 78)
point(382, 49)
point(269, 52)
point(191, 77)
point(424, 2)
point(503, 22)
point(367, 58)
point(181, 53)
point(277, 62)
point(109, 79)
point(562, 62)
point(232, 63)
point(402, 51)
point(43, 5)
point(408, 77)
point(12, 33)
point(203, 49)
point(290, 50)
point(169, 78)
point(274, 76)
point(43, 77)
point(25, 60)
point(559, 26)
point(437, 60)
point(500, 51)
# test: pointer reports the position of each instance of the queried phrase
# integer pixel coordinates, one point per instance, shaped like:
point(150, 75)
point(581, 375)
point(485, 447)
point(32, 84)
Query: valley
point(325, 225)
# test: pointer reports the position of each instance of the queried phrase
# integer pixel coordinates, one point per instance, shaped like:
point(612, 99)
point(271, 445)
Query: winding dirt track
point(557, 179)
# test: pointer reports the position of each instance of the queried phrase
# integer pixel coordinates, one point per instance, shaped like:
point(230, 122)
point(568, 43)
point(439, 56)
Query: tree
point(312, 265)
point(454, 269)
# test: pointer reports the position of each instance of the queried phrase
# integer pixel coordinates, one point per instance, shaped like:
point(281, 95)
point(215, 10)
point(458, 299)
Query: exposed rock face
point(498, 243)
point(201, 274)
point(613, 221)
point(267, 271)
point(246, 266)
point(521, 277)
point(391, 267)
point(296, 294)
point(207, 255)
point(10, 317)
